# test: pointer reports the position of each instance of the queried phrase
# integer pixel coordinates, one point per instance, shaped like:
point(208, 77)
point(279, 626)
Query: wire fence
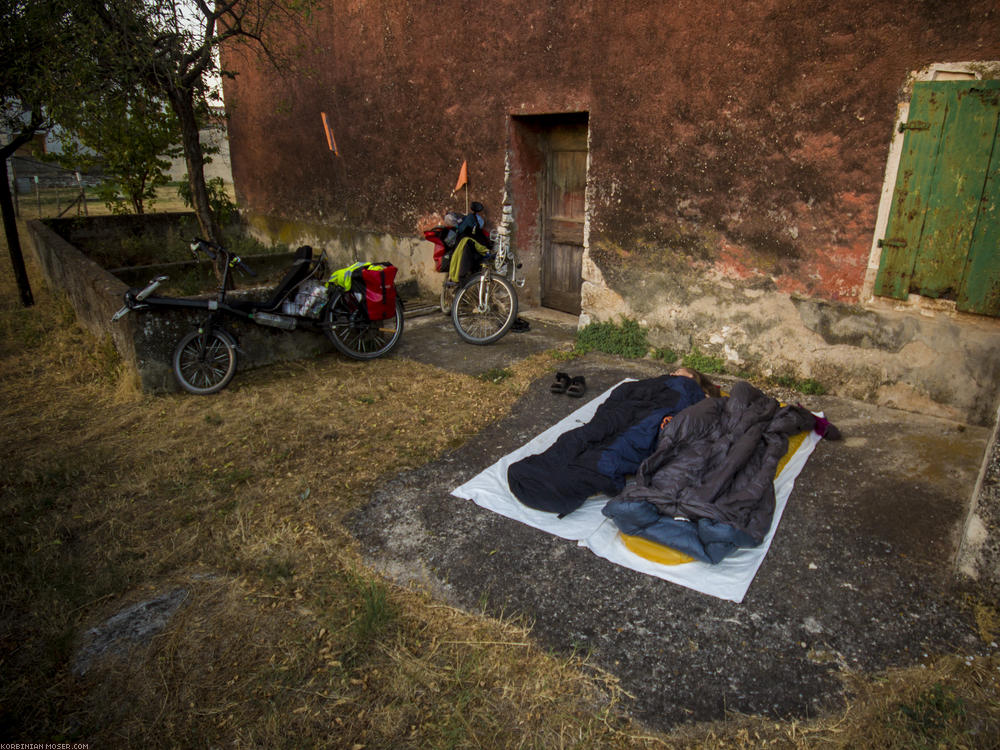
point(36, 185)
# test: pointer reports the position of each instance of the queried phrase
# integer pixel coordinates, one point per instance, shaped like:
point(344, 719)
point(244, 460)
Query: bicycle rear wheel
point(484, 309)
point(447, 297)
point(205, 362)
point(357, 337)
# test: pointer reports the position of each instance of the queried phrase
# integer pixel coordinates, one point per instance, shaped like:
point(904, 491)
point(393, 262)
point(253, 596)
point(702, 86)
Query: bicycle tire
point(447, 297)
point(205, 362)
point(485, 323)
point(354, 335)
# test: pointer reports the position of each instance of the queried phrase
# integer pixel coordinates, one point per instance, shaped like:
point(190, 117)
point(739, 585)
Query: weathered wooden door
point(563, 219)
point(943, 236)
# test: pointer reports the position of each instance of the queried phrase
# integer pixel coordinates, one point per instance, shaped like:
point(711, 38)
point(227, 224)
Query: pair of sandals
point(571, 386)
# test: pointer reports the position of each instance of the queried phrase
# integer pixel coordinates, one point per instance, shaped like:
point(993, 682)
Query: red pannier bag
point(442, 253)
point(374, 284)
point(378, 280)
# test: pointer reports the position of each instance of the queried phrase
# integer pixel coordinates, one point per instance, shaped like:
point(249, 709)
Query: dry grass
point(110, 497)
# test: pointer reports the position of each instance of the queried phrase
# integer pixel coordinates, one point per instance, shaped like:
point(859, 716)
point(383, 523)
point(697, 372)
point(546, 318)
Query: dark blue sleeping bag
point(596, 457)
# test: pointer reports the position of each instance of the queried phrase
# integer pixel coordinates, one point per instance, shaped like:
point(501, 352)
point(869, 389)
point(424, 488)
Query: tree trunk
point(13, 240)
point(182, 100)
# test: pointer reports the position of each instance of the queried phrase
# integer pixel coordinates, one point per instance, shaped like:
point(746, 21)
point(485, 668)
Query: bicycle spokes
point(205, 362)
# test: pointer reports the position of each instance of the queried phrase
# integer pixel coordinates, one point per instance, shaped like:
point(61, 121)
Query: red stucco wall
point(751, 135)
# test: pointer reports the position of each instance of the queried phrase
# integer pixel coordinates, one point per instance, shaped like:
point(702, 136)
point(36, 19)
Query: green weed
point(495, 375)
point(704, 363)
point(807, 386)
point(627, 339)
point(811, 387)
point(378, 612)
point(667, 355)
point(935, 718)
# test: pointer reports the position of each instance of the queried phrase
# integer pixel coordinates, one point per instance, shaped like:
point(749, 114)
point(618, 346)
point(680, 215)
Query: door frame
point(963, 71)
point(525, 191)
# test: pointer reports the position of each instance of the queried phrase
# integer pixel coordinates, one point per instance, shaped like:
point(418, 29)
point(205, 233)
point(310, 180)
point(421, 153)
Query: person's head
point(710, 388)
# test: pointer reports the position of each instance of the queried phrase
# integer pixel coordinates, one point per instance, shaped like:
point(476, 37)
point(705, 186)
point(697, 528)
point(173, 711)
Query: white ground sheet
point(728, 579)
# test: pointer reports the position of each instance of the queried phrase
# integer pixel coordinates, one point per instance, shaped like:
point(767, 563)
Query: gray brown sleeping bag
point(708, 488)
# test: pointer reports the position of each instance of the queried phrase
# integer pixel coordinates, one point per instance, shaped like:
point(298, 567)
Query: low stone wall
point(413, 256)
point(82, 230)
point(94, 293)
point(935, 362)
point(146, 339)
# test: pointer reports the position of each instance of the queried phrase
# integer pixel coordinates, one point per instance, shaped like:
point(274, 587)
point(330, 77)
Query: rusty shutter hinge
point(892, 243)
point(914, 125)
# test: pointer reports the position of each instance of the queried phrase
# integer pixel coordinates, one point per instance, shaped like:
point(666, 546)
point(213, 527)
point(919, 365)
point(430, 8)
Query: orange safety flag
point(330, 140)
point(463, 177)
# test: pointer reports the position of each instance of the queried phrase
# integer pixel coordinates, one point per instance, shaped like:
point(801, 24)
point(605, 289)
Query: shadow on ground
point(859, 575)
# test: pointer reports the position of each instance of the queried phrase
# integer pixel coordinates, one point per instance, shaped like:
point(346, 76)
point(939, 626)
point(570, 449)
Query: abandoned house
point(801, 188)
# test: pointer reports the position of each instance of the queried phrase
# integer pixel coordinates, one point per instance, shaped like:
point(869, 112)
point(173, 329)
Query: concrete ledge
point(94, 293)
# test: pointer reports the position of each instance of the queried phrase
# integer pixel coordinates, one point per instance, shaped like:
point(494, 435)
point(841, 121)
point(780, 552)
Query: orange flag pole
point(463, 180)
point(331, 142)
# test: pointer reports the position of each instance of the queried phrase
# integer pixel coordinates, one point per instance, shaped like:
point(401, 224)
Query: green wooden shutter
point(909, 198)
point(944, 223)
point(980, 289)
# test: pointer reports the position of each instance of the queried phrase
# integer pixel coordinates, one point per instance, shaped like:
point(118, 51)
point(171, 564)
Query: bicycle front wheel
point(484, 309)
point(357, 337)
point(205, 362)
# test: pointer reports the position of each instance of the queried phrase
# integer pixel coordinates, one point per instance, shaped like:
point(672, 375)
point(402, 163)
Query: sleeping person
point(597, 456)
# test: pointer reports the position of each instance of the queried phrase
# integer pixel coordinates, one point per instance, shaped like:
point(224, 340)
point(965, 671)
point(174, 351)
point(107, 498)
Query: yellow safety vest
point(342, 278)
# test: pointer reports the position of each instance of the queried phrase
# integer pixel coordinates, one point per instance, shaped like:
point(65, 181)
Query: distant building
point(213, 136)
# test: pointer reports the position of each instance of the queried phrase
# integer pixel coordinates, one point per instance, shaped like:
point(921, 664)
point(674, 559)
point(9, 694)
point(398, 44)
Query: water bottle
point(315, 301)
point(275, 321)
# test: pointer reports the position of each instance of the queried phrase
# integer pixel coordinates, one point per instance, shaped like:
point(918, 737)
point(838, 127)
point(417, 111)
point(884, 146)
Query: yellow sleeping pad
point(664, 555)
point(793, 445)
point(654, 552)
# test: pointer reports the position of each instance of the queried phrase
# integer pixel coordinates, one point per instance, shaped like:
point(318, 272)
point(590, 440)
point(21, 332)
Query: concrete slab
point(432, 339)
point(859, 575)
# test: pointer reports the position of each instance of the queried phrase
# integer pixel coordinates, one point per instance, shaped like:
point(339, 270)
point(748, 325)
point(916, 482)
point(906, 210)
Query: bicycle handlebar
point(212, 250)
point(205, 246)
point(237, 262)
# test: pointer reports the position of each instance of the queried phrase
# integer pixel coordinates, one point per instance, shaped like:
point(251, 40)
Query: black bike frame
point(212, 305)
